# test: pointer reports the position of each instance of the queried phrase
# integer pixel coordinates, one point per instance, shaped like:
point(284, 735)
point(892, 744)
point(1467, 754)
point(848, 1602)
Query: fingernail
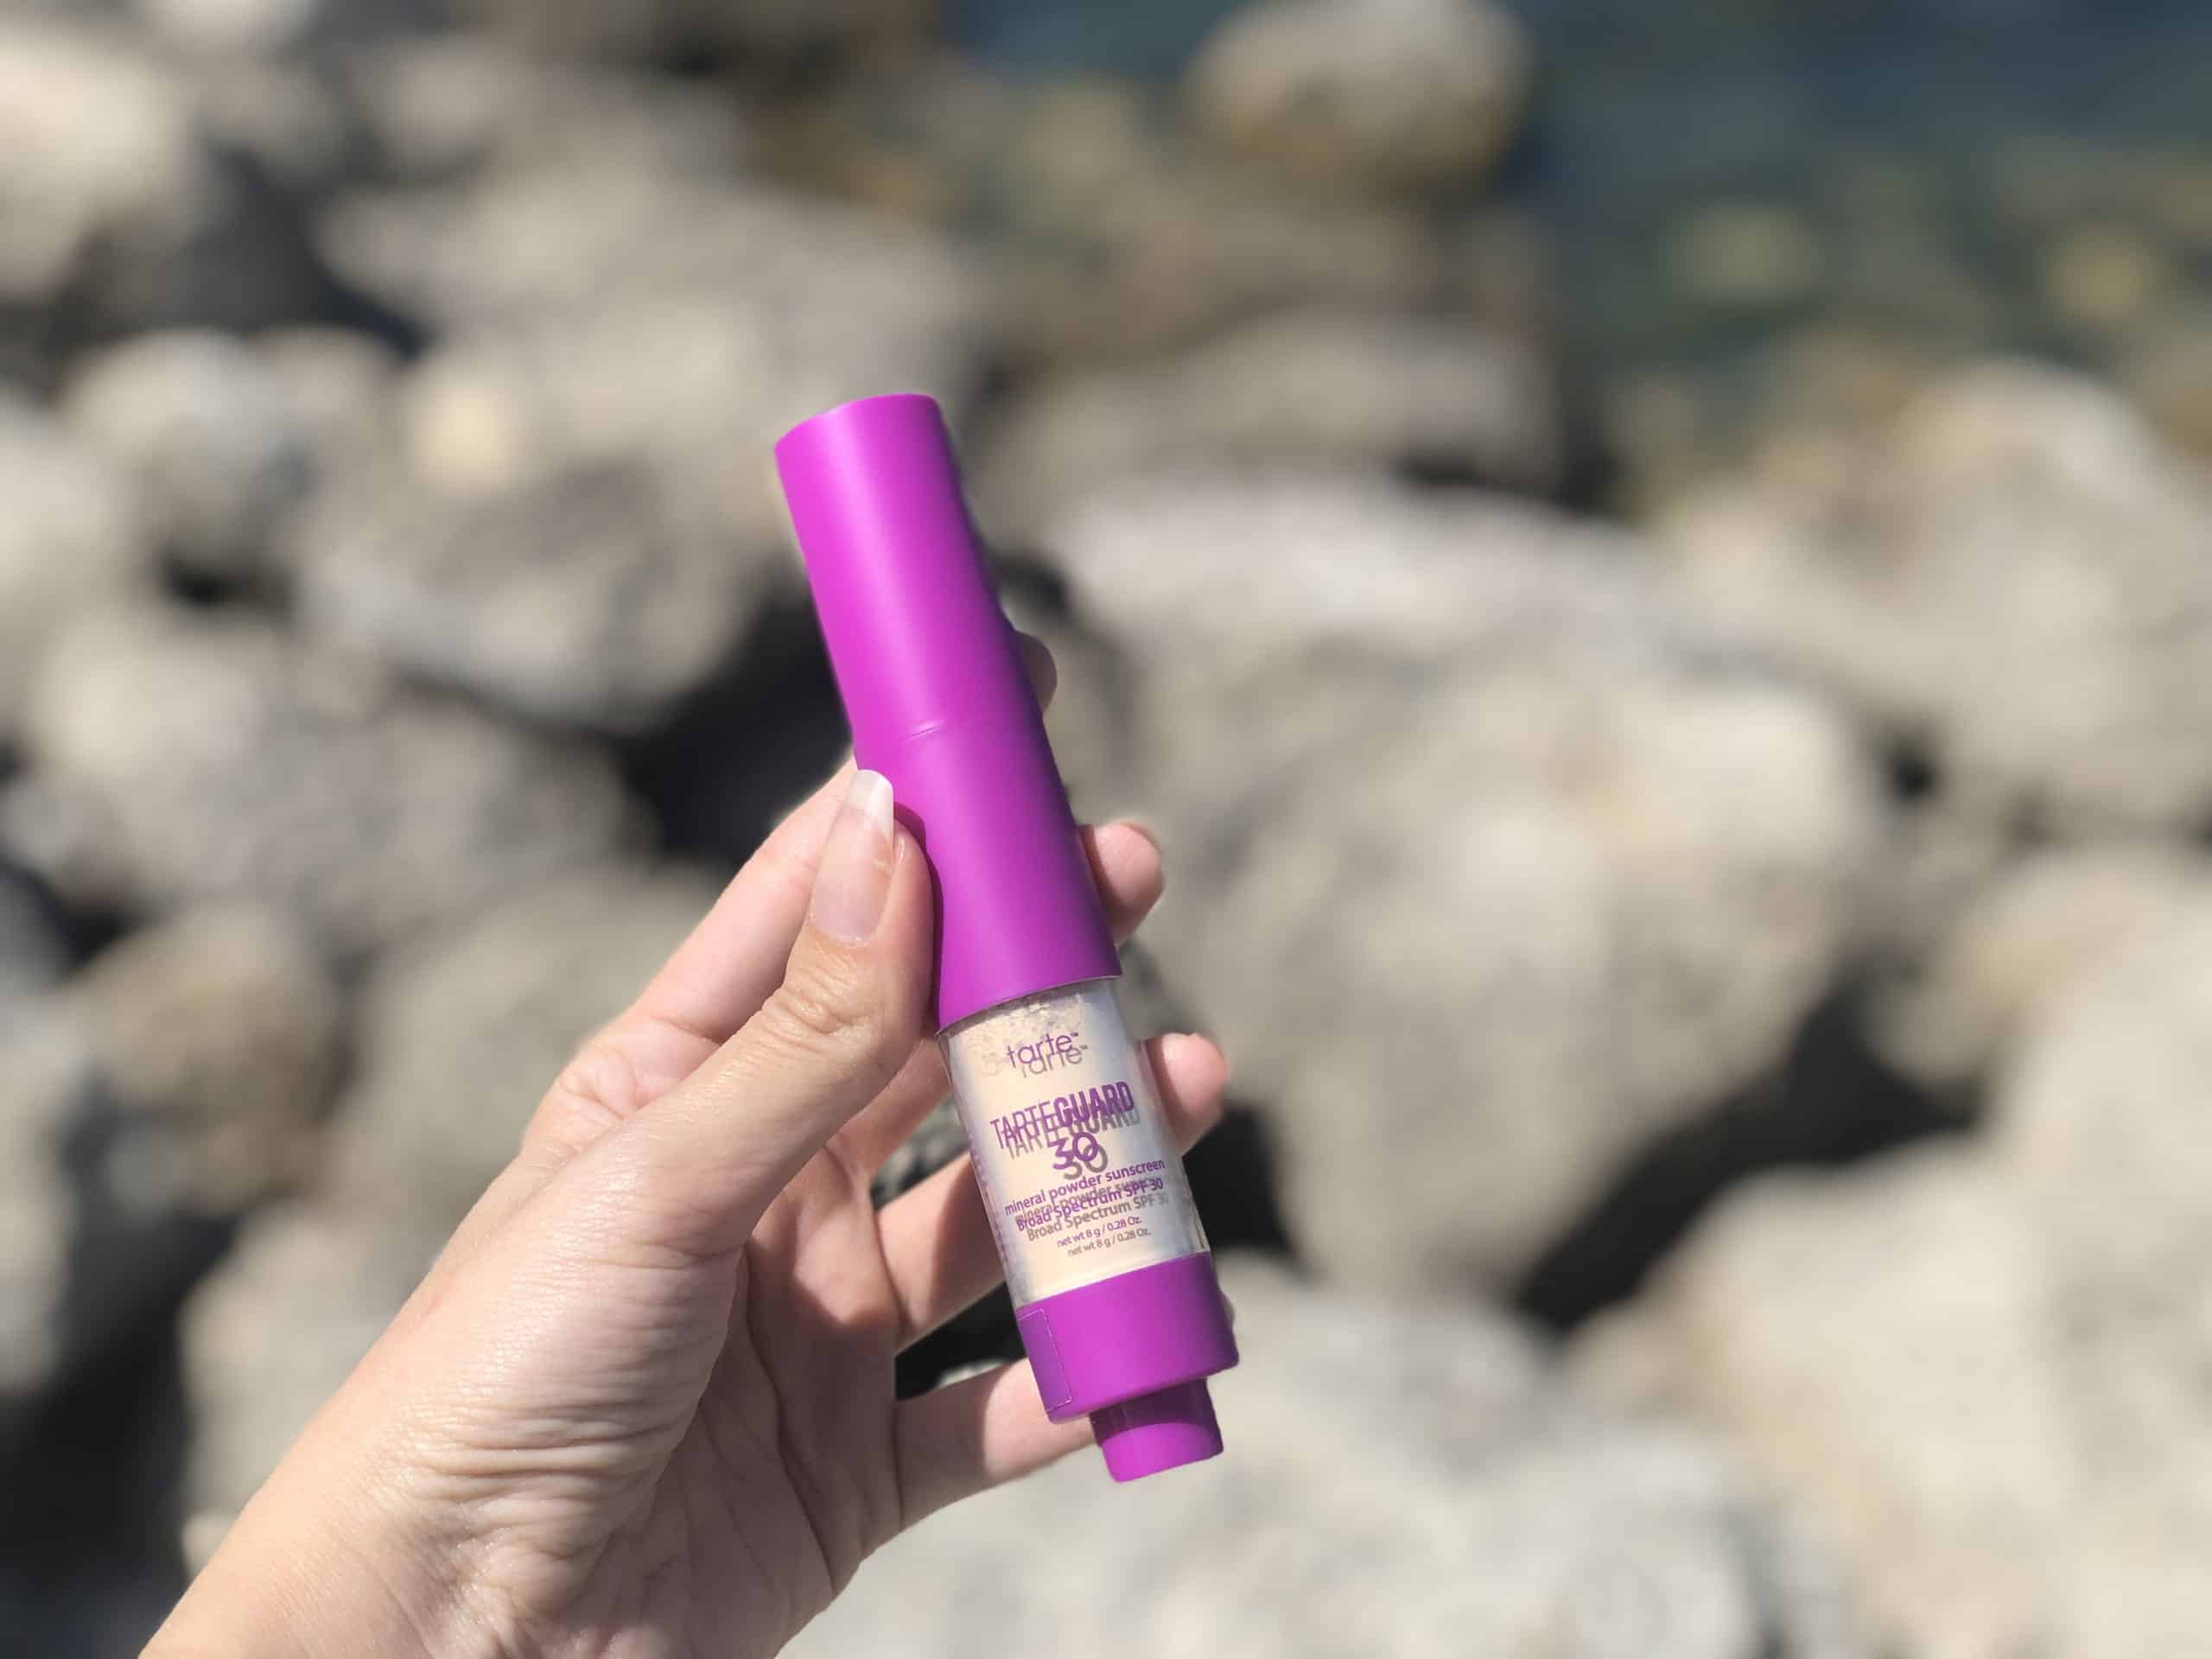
point(854, 878)
point(1141, 828)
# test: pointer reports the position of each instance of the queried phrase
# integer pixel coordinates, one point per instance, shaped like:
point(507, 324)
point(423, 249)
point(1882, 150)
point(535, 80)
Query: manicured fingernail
point(854, 878)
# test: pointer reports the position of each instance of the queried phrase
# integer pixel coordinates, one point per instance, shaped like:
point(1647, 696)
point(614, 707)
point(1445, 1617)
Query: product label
point(1071, 1151)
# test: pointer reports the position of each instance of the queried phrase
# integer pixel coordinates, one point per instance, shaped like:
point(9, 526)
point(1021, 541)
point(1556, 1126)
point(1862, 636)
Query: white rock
point(1979, 1366)
point(223, 438)
point(198, 755)
point(2018, 572)
point(1878, 1343)
point(1321, 384)
point(463, 1032)
point(2017, 946)
point(96, 148)
point(1397, 1480)
point(1517, 864)
point(69, 541)
point(598, 597)
point(216, 1036)
point(1366, 93)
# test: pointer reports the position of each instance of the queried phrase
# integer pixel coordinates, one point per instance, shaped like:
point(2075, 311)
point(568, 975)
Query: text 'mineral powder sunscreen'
point(1114, 1287)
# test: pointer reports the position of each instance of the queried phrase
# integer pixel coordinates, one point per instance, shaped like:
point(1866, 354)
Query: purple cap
point(1132, 1353)
point(934, 686)
point(1158, 1432)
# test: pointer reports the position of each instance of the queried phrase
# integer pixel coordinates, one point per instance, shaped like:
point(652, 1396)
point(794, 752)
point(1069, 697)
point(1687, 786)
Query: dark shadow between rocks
point(747, 744)
point(1833, 1101)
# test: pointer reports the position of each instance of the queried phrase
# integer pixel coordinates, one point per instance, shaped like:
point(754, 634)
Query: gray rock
point(225, 26)
point(440, 105)
point(69, 540)
point(1366, 94)
point(42, 1062)
point(572, 230)
point(2020, 943)
point(1124, 245)
point(1397, 1481)
point(593, 598)
point(1120, 238)
point(115, 196)
point(1977, 1364)
point(600, 318)
point(2099, 1121)
point(214, 1036)
point(155, 1095)
point(2018, 571)
point(1321, 385)
point(1496, 792)
point(32, 953)
point(178, 756)
point(1876, 1344)
point(224, 439)
point(462, 1034)
point(97, 154)
point(2101, 1126)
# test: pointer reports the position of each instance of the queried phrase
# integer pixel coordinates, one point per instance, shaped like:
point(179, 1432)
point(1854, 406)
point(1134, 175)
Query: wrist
point(325, 1562)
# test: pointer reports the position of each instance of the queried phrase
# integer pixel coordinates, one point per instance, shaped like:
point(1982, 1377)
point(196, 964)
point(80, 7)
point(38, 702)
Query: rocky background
point(1653, 568)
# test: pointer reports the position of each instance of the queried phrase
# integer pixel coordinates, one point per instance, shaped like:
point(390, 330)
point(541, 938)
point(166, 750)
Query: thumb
point(714, 1153)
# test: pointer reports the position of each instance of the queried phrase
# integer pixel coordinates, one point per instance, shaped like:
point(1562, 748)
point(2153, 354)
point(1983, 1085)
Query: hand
point(643, 1403)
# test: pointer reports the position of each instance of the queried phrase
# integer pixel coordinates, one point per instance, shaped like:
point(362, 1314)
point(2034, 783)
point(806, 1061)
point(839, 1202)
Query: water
point(1937, 154)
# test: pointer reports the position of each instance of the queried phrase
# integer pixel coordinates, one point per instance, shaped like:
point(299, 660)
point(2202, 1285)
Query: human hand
point(644, 1401)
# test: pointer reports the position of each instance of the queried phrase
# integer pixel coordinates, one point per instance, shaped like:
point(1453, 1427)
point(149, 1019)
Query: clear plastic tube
point(1072, 1151)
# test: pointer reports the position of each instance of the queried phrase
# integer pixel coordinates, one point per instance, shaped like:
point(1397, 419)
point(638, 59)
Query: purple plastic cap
point(933, 684)
point(1161, 1431)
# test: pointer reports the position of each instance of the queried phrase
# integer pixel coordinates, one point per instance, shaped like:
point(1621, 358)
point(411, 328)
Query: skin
point(643, 1404)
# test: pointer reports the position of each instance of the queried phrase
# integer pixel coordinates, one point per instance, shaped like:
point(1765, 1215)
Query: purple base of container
point(1132, 1352)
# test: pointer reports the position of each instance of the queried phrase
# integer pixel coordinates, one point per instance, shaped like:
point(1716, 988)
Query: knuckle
point(824, 1006)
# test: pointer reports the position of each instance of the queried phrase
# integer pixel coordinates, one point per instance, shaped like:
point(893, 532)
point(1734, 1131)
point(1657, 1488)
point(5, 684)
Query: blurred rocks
point(1874, 1340)
point(459, 1036)
point(438, 106)
point(774, 30)
point(463, 1032)
point(594, 597)
point(179, 755)
point(1375, 95)
point(598, 318)
point(1975, 1362)
point(2099, 1127)
point(429, 352)
point(1488, 1512)
point(2014, 948)
point(161, 1092)
point(98, 163)
point(224, 439)
point(33, 952)
point(1117, 239)
point(1496, 790)
point(216, 1037)
point(1327, 386)
point(38, 1211)
point(2017, 572)
point(136, 190)
point(589, 238)
point(69, 541)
